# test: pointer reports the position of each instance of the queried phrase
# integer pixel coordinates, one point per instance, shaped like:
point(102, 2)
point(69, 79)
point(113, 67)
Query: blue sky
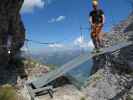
point(60, 20)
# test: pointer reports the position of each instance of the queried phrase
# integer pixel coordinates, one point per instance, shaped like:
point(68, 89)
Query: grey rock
point(10, 25)
point(116, 69)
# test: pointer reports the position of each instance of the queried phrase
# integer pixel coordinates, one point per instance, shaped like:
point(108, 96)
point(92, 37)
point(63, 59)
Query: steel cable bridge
point(40, 84)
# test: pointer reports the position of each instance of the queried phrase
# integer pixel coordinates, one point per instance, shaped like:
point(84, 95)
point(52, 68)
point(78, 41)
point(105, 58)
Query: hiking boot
point(96, 50)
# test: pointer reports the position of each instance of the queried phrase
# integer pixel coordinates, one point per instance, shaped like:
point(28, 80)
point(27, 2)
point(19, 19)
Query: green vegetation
point(131, 73)
point(97, 78)
point(52, 66)
point(34, 63)
point(7, 92)
point(129, 97)
point(93, 79)
point(82, 98)
point(31, 63)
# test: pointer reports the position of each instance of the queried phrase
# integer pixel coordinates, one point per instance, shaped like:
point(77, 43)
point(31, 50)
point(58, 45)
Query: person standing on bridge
point(97, 20)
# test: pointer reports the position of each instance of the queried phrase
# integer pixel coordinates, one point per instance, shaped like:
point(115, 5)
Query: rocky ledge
point(112, 75)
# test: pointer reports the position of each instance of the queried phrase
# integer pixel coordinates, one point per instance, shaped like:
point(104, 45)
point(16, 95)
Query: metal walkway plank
point(44, 80)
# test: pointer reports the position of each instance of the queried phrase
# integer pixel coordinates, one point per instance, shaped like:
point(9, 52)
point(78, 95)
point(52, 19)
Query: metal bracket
point(40, 91)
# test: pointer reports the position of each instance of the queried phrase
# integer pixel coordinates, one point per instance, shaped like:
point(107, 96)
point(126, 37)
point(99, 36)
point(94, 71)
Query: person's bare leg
point(101, 38)
point(96, 36)
point(99, 35)
point(94, 40)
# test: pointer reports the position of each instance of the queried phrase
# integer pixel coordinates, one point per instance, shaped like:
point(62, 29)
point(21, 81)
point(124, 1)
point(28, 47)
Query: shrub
point(7, 92)
point(82, 98)
point(129, 97)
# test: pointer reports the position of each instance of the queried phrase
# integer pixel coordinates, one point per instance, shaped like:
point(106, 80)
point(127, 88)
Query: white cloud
point(90, 44)
point(82, 43)
point(56, 45)
point(58, 19)
point(24, 49)
point(79, 41)
point(30, 5)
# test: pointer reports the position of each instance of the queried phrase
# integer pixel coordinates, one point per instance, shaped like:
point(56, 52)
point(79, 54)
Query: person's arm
point(103, 17)
point(90, 20)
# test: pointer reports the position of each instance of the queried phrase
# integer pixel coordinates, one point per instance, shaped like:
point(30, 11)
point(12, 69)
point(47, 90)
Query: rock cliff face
point(12, 37)
point(112, 75)
point(12, 32)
